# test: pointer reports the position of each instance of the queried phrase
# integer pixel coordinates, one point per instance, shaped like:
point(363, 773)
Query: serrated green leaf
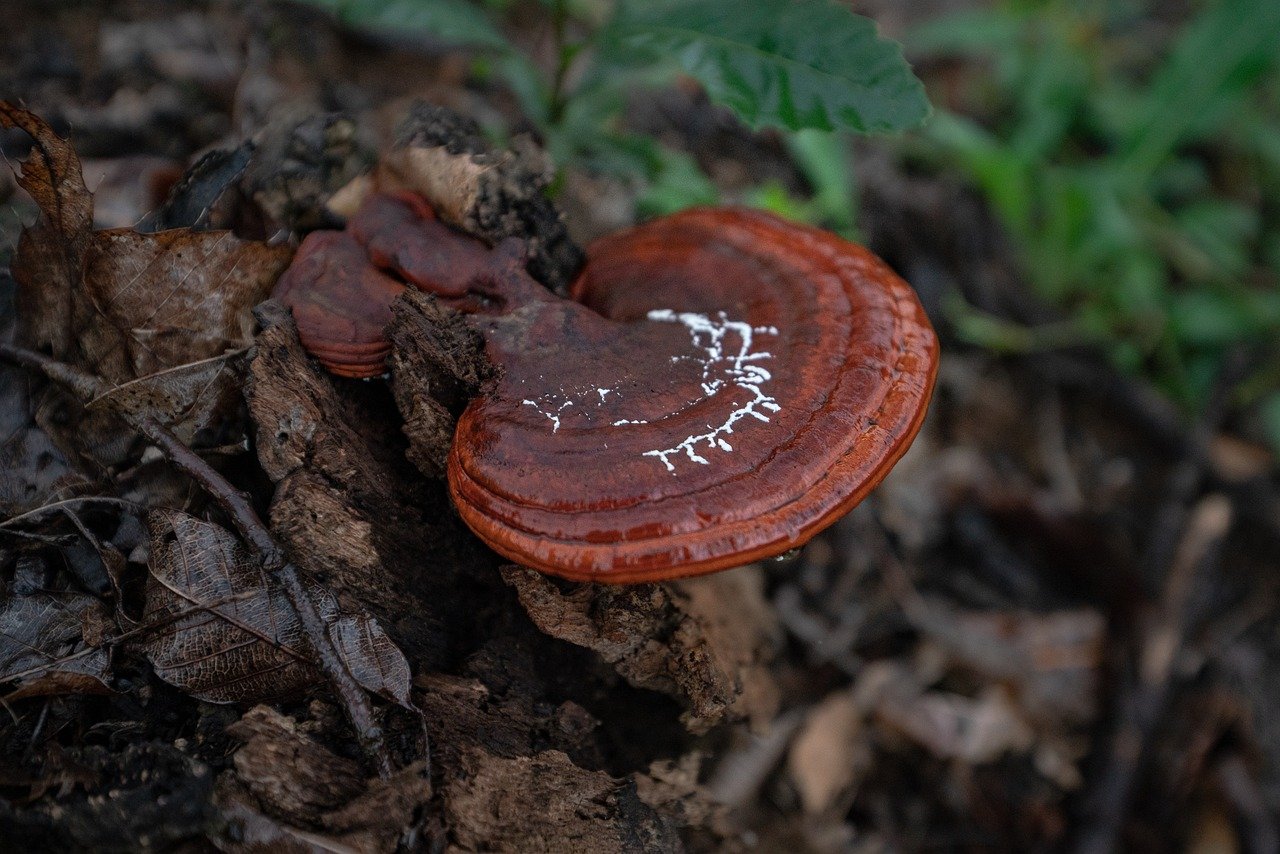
point(792, 63)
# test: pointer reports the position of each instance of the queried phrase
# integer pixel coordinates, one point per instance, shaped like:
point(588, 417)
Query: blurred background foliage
point(1133, 160)
point(1130, 149)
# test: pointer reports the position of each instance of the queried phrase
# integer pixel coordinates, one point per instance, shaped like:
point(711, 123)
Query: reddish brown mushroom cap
point(341, 284)
point(729, 385)
point(340, 302)
point(401, 235)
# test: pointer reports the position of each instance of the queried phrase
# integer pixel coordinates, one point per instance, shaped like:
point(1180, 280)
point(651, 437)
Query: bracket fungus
point(722, 386)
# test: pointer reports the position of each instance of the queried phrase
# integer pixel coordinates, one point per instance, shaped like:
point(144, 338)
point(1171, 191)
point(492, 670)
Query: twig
point(236, 504)
point(1148, 686)
point(116, 640)
point(1258, 829)
point(1183, 548)
point(58, 506)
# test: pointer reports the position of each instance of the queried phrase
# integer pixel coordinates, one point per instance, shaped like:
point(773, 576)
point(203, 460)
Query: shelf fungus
point(721, 387)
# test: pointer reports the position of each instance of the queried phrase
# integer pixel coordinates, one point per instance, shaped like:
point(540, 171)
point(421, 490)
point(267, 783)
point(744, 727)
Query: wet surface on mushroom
point(729, 384)
point(341, 304)
point(725, 384)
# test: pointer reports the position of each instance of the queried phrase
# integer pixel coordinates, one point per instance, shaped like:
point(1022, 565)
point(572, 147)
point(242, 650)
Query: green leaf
point(824, 160)
point(773, 197)
point(678, 182)
point(450, 21)
point(1270, 412)
point(522, 76)
point(1223, 231)
point(791, 63)
point(1212, 64)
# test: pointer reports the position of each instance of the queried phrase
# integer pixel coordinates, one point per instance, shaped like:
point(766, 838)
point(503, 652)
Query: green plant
point(800, 65)
point(1133, 179)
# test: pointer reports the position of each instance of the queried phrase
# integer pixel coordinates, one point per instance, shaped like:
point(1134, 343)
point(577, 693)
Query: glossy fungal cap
point(728, 385)
point(340, 302)
point(400, 234)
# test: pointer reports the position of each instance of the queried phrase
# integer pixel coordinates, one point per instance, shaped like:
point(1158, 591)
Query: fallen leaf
point(191, 199)
point(1051, 661)
point(194, 398)
point(50, 253)
point(33, 470)
point(133, 307)
point(156, 301)
point(243, 643)
point(952, 726)
point(50, 643)
point(830, 753)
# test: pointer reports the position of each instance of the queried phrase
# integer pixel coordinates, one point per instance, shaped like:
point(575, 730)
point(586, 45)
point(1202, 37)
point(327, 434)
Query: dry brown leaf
point(50, 254)
point(952, 726)
point(33, 470)
point(51, 644)
point(830, 752)
point(156, 301)
point(192, 398)
point(1051, 661)
point(131, 307)
point(244, 642)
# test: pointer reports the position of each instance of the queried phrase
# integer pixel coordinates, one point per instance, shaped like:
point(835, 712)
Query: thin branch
point(1183, 551)
point(116, 640)
point(58, 506)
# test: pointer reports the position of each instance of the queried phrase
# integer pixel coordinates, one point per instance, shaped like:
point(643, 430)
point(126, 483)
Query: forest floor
point(1055, 626)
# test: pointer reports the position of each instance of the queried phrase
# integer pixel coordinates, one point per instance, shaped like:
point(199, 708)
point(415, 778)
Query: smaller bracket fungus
point(722, 386)
point(340, 302)
point(341, 284)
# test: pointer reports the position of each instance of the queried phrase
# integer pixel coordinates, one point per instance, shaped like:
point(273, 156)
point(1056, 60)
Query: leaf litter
point(159, 328)
point(527, 689)
point(243, 642)
point(1014, 632)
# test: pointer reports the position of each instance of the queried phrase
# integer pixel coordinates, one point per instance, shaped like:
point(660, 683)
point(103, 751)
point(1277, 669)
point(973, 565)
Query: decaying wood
point(346, 504)
point(436, 367)
point(559, 804)
point(704, 641)
point(146, 796)
point(282, 772)
point(491, 194)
